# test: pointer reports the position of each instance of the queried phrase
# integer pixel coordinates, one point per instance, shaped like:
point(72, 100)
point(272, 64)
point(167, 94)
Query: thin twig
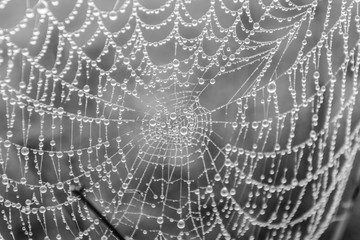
point(79, 193)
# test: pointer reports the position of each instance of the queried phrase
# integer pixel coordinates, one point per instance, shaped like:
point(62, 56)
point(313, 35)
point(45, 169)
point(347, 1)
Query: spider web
point(181, 119)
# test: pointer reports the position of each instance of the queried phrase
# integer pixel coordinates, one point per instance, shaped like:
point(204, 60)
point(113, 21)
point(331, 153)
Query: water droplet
point(228, 147)
point(9, 134)
point(43, 189)
point(86, 88)
point(55, 2)
point(29, 13)
point(315, 117)
point(7, 203)
point(24, 151)
point(255, 125)
point(7, 143)
point(160, 220)
point(181, 224)
point(42, 8)
point(60, 185)
point(23, 180)
point(312, 134)
point(173, 115)
point(316, 75)
point(227, 162)
point(277, 147)
point(176, 63)
point(265, 123)
point(224, 192)
point(209, 189)
point(217, 177)
point(183, 130)
point(152, 122)
point(271, 87)
point(113, 15)
point(5, 179)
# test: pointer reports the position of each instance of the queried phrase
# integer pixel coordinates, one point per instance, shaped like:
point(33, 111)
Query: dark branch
point(79, 193)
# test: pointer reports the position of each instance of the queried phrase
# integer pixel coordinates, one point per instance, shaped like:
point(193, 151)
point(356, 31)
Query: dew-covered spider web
point(202, 119)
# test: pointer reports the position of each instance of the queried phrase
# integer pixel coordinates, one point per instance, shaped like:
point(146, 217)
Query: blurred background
point(158, 129)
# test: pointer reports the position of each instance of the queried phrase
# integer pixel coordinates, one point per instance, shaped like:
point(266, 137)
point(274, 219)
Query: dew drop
point(255, 125)
point(183, 130)
point(7, 203)
point(265, 123)
point(42, 209)
point(277, 147)
point(23, 180)
point(315, 117)
point(176, 63)
point(42, 8)
point(9, 134)
point(152, 122)
point(7, 143)
point(43, 189)
point(5, 180)
point(316, 75)
point(29, 13)
point(60, 185)
point(113, 15)
point(228, 147)
point(160, 220)
point(217, 177)
point(181, 224)
point(209, 189)
point(55, 2)
point(271, 87)
point(24, 151)
point(173, 116)
point(312, 134)
point(86, 88)
point(224, 192)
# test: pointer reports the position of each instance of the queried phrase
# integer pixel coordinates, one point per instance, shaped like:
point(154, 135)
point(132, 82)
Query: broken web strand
point(154, 151)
